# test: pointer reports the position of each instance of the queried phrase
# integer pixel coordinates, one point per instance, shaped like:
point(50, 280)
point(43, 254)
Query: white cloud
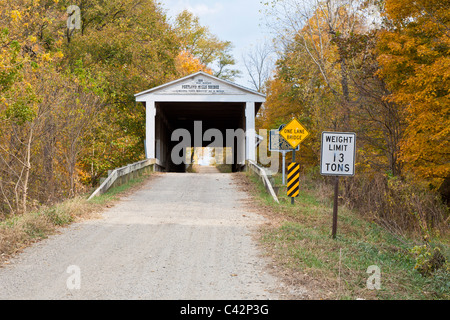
point(204, 10)
point(198, 9)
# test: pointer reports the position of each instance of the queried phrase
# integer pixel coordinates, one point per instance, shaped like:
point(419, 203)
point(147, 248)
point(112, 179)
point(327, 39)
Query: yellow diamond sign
point(294, 133)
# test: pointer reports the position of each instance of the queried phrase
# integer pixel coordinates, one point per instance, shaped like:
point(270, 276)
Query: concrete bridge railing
point(123, 175)
point(259, 171)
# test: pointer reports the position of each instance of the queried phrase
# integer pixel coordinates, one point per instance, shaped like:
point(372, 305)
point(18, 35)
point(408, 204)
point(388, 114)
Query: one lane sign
point(294, 133)
point(338, 154)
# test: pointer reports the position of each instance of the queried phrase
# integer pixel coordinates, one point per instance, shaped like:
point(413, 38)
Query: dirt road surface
point(180, 236)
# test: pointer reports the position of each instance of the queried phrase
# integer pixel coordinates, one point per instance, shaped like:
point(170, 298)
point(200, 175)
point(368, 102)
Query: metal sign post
point(337, 159)
point(288, 138)
point(298, 179)
point(278, 144)
point(293, 183)
point(293, 133)
point(283, 153)
point(335, 207)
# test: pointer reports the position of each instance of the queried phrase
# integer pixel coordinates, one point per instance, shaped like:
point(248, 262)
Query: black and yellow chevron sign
point(293, 180)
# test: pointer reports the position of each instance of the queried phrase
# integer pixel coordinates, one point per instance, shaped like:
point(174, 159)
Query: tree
point(414, 59)
point(258, 63)
point(187, 64)
point(22, 112)
point(204, 46)
point(67, 110)
point(328, 66)
point(121, 67)
point(320, 29)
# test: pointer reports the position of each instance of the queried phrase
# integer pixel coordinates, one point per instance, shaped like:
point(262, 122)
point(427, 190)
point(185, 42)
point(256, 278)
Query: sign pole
point(293, 181)
point(278, 144)
point(294, 133)
point(293, 160)
point(337, 159)
point(335, 206)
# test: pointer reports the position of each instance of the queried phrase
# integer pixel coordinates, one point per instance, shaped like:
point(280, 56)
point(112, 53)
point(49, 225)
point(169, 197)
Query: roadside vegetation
point(18, 232)
point(378, 69)
point(67, 108)
point(298, 238)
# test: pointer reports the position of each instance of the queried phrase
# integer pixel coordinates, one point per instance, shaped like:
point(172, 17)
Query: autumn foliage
point(380, 69)
point(414, 57)
point(67, 107)
point(186, 64)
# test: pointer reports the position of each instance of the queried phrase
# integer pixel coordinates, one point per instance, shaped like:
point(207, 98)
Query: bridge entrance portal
point(200, 110)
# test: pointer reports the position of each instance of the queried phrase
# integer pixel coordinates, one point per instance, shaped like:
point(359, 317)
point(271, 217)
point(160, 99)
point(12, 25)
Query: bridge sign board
point(338, 154)
point(294, 133)
point(277, 142)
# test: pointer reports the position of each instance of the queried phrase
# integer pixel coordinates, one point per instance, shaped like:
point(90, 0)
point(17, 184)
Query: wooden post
point(335, 206)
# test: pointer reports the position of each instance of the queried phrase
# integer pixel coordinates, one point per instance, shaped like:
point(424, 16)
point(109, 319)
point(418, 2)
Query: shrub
point(428, 260)
point(396, 204)
point(58, 217)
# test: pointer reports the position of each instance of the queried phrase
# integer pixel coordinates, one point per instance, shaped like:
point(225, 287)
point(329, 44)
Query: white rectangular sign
point(277, 142)
point(338, 154)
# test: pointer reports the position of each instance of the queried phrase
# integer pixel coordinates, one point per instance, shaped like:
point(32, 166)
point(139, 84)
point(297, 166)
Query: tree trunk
point(27, 172)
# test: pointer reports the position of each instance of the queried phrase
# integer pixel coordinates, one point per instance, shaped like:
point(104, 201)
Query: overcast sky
point(238, 21)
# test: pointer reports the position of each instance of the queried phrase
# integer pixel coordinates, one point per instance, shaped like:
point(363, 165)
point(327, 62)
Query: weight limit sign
point(337, 159)
point(293, 180)
point(338, 154)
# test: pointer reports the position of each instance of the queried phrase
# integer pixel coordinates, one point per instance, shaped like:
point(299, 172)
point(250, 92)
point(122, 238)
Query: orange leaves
point(415, 63)
point(187, 64)
point(204, 47)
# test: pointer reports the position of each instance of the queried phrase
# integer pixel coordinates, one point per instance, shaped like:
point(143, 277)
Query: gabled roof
point(160, 89)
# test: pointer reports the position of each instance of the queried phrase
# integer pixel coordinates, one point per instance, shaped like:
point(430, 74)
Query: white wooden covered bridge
point(217, 103)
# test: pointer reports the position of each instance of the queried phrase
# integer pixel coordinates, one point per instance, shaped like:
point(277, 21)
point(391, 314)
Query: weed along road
point(180, 236)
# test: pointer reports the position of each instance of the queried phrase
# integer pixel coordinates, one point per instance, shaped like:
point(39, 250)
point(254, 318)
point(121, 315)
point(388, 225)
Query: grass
point(18, 232)
point(301, 244)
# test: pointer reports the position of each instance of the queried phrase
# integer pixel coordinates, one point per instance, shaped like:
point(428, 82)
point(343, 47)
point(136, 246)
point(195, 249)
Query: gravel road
point(180, 236)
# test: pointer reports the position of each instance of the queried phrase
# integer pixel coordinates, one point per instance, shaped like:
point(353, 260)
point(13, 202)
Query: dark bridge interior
point(213, 115)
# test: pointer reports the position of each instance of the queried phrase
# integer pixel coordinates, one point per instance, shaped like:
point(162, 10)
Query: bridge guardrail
point(124, 174)
point(253, 166)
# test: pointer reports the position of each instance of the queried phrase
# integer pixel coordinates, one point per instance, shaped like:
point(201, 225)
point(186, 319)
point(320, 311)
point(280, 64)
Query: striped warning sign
point(293, 180)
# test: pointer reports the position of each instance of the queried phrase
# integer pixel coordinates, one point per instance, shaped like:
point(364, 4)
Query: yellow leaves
point(59, 55)
point(46, 57)
point(60, 41)
point(16, 15)
point(415, 65)
point(49, 57)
